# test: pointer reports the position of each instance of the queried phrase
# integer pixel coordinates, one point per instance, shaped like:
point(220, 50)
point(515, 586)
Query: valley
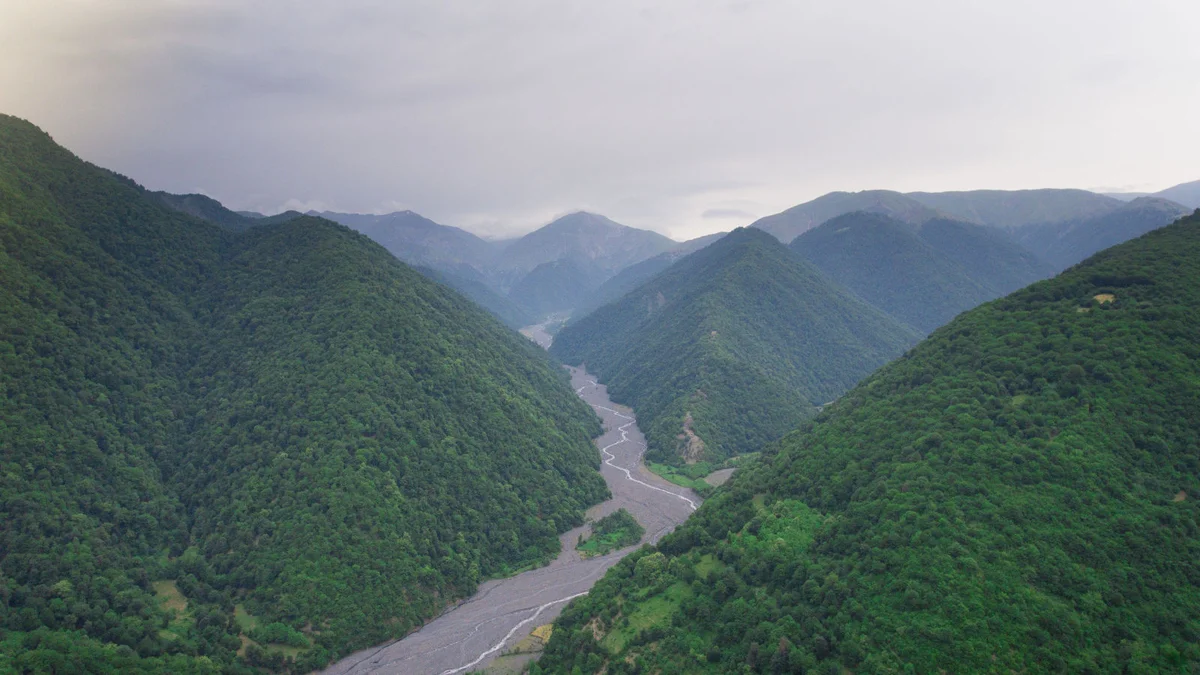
point(503, 611)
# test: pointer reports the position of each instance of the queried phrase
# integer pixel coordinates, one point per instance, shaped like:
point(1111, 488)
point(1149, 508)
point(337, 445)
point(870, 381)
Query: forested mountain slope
point(730, 347)
point(287, 421)
point(921, 274)
point(1019, 493)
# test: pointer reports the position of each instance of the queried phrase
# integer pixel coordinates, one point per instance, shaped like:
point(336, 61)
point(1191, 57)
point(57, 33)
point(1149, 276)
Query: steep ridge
point(923, 275)
point(287, 421)
point(1017, 494)
point(736, 343)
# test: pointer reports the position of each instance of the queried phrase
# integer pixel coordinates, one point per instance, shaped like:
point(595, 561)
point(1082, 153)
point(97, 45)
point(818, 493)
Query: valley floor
point(504, 611)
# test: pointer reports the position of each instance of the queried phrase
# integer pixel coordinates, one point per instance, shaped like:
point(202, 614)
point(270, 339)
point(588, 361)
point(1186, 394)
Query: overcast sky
point(687, 118)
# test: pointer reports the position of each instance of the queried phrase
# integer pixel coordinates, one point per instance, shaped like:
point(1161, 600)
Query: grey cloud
point(498, 116)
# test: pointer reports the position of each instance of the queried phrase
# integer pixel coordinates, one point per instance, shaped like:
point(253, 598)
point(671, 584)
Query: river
point(502, 612)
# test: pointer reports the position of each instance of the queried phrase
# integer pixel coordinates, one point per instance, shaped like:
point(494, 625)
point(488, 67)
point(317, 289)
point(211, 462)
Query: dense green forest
point(281, 444)
point(731, 347)
point(1019, 493)
point(921, 274)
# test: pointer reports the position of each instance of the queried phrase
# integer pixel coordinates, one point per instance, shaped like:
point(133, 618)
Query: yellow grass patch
point(1103, 298)
point(543, 632)
point(1180, 496)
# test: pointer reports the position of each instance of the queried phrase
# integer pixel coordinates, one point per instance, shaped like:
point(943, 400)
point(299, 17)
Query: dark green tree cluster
point(1019, 493)
point(733, 345)
point(285, 423)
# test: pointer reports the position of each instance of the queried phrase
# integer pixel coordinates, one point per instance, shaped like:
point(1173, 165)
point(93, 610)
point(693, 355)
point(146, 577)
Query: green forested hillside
point(922, 274)
point(203, 431)
point(1019, 493)
point(730, 347)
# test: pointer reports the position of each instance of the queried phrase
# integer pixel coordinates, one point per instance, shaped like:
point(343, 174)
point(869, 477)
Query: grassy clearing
point(679, 476)
point(706, 566)
point(169, 597)
point(655, 611)
point(245, 620)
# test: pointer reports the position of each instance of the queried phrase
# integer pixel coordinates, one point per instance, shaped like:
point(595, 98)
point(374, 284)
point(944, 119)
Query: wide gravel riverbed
point(503, 611)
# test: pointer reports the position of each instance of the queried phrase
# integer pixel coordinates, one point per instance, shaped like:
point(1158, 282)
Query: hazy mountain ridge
point(1016, 208)
point(789, 224)
point(1066, 243)
point(417, 240)
point(1187, 194)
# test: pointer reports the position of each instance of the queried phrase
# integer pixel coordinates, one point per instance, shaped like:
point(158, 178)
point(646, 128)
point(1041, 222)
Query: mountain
point(510, 313)
point(639, 273)
point(1017, 494)
point(207, 208)
point(553, 287)
point(1016, 208)
point(419, 241)
point(730, 347)
point(286, 426)
point(923, 275)
point(588, 240)
point(787, 225)
point(1187, 194)
point(1066, 243)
